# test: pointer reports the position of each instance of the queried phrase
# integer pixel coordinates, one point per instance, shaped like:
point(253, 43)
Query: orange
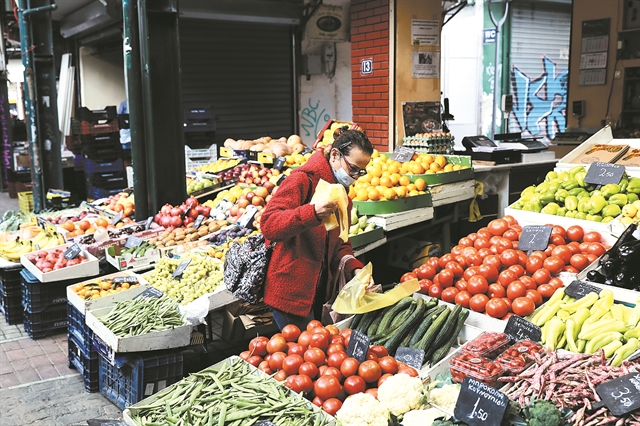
point(101, 222)
point(404, 181)
point(448, 168)
point(366, 178)
point(441, 160)
point(390, 194)
point(69, 226)
point(352, 193)
point(381, 188)
point(374, 195)
point(417, 169)
point(435, 166)
point(413, 193)
point(420, 184)
point(362, 195)
point(375, 181)
point(84, 225)
point(428, 158)
point(386, 181)
point(411, 187)
point(394, 168)
point(395, 178)
point(401, 191)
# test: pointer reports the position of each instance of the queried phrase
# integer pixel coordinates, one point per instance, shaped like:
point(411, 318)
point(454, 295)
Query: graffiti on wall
point(313, 118)
point(539, 103)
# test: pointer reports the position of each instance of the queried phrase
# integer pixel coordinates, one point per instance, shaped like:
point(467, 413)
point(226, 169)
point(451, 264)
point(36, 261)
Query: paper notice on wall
point(425, 64)
point(425, 32)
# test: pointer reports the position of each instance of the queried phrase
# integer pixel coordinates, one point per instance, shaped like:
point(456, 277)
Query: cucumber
point(356, 320)
point(374, 325)
point(391, 313)
point(445, 331)
point(406, 328)
point(431, 333)
point(366, 322)
point(403, 315)
point(441, 352)
point(429, 317)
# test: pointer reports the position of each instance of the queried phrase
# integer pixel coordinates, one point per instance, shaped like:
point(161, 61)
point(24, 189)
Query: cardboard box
point(240, 323)
point(630, 159)
point(128, 261)
point(604, 153)
point(408, 253)
point(84, 305)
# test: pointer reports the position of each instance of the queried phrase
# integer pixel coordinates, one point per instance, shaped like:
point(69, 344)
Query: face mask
point(344, 178)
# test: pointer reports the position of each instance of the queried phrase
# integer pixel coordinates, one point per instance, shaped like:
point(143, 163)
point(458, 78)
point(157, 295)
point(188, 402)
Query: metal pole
point(131, 50)
point(498, 25)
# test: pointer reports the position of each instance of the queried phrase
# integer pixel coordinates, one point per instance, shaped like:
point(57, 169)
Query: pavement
point(7, 203)
point(38, 388)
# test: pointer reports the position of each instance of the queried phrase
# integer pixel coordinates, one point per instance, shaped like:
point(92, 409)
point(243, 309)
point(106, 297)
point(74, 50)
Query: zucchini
point(355, 321)
point(366, 322)
point(431, 333)
point(403, 315)
point(374, 325)
point(391, 313)
point(429, 317)
point(441, 352)
point(406, 328)
point(445, 331)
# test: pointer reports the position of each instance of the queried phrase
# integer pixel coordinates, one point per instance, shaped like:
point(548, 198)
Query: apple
point(257, 201)
point(250, 195)
point(257, 181)
point(233, 211)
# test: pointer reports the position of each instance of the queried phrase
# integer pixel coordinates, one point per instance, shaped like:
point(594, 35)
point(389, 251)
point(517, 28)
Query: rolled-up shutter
point(245, 71)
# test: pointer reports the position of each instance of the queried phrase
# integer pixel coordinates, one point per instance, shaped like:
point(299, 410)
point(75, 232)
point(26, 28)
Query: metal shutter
point(245, 71)
point(539, 59)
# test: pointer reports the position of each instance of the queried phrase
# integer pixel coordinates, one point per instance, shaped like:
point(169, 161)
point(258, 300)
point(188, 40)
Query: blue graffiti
point(540, 103)
point(313, 119)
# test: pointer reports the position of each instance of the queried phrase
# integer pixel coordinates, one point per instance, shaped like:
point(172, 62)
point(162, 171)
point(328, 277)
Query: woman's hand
point(371, 287)
point(324, 210)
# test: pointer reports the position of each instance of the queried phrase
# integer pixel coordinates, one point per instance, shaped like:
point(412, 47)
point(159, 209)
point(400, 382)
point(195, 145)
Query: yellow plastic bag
point(326, 191)
point(354, 299)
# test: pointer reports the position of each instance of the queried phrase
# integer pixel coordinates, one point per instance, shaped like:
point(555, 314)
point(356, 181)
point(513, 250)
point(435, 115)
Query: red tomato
point(496, 290)
point(506, 277)
point(255, 360)
point(321, 369)
point(472, 236)
point(290, 332)
point(516, 289)
point(258, 346)
point(596, 249)
point(379, 350)
point(370, 371)
point(462, 261)
point(332, 329)
point(426, 271)
point(541, 276)
point(449, 294)
point(331, 406)
point(275, 361)
point(553, 264)
point(327, 387)
point(435, 291)
point(477, 302)
point(372, 356)
point(349, 367)
point(382, 378)
point(405, 369)
point(470, 271)
point(297, 349)
point(498, 226)
point(481, 243)
point(496, 308)
point(424, 286)
point(308, 369)
point(506, 317)
point(455, 268)
point(408, 276)
point(373, 392)
point(461, 284)
point(518, 269)
point(579, 261)
point(484, 233)
point(592, 237)
point(509, 257)
point(314, 324)
point(523, 306)
point(563, 252)
point(457, 250)
point(317, 401)
point(503, 245)
point(434, 262)
point(465, 242)
point(462, 298)
point(556, 283)
point(446, 277)
point(510, 220)
point(304, 339)
point(335, 347)
point(528, 282)
point(319, 340)
point(245, 355)
point(495, 239)
point(592, 257)
point(264, 366)
point(541, 254)
point(303, 383)
point(535, 296)
point(276, 344)
point(291, 364)
point(571, 269)
point(280, 376)
point(557, 240)
point(558, 230)
point(490, 272)
point(575, 233)
point(492, 260)
point(474, 259)
point(332, 371)
point(336, 359)
point(354, 384)
point(546, 290)
point(574, 246)
point(511, 234)
point(445, 259)
point(584, 247)
point(549, 249)
point(388, 364)
point(477, 284)
point(314, 355)
point(484, 253)
point(507, 302)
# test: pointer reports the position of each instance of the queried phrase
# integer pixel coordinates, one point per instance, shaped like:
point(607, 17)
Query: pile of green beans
point(233, 395)
point(143, 315)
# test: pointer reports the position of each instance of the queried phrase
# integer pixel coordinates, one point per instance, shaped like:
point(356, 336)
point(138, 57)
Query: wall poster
point(594, 49)
point(425, 32)
point(425, 64)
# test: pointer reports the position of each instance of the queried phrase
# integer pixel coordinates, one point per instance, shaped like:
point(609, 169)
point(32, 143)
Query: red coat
point(300, 239)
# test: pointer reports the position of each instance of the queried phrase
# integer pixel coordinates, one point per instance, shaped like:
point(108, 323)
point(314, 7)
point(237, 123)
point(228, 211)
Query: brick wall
point(370, 92)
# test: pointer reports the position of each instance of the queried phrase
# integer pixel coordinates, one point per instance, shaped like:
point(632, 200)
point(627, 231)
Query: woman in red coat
point(306, 257)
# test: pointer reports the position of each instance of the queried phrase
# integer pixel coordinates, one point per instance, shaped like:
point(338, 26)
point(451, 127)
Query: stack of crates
point(82, 354)
point(11, 294)
point(102, 152)
point(199, 132)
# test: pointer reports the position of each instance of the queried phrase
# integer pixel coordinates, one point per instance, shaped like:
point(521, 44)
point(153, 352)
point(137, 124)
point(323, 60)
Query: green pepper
point(562, 211)
point(561, 195)
point(612, 210)
point(527, 207)
point(594, 217)
point(535, 206)
point(576, 190)
point(551, 175)
point(516, 206)
point(598, 203)
point(610, 189)
point(571, 214)
point(579, 177)
point(595, 192)
point(583, 194)
point(571, 203)
point(584, 204)
point(527, 193)
point(619, 199)
point(551, 208)
point(632, 198)
point(546, 198)
point(634, 185)
point(542, 188)
point(581, 215)
point(554, 186)
point(570, 184)
point(563, 176)
point(607, 219)
point(624, 182)
point(576, 169)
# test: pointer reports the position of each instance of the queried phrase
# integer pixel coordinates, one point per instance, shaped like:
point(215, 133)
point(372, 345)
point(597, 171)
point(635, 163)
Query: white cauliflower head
point(421, 417)
point(445, 397)
point(401, 393)
point(362, 409)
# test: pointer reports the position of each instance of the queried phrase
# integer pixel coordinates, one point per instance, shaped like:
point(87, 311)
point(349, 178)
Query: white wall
point(101, 78)
point(462, 70)
point(15, 71)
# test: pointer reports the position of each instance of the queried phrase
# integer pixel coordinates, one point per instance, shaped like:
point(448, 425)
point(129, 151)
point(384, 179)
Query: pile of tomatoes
point(487, 273)
point(315, 362)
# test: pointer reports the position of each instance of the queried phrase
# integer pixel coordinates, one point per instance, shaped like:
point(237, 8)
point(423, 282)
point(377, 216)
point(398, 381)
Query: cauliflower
point(401, 393)
point(445, 397)
point(363, 409)
point(422, 417)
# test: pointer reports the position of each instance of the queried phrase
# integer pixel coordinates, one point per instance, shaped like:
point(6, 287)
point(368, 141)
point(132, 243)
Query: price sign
point(520, 329)
point(151, 292)
point(247, 216)
point(604, 173)
point(37, 247)
point(410, 356)
point(130, 280)
point(279, 163)
point(198, 221)
point(402, 154)
point(133, 242)
point(263, 423)
point(99, 201)
point(358, 346)
point(148, 223)
point(181, 267)
point(72, 252)
point(224, 205)
point(534, 237)
point(117, 218)
point(579, 289)
point(621, 395)
point(479, 404)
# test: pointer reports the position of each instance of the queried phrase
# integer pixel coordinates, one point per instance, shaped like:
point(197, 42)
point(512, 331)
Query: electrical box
point(507, 103)
point(328, 53)
point(577, 109)
point(311, 65)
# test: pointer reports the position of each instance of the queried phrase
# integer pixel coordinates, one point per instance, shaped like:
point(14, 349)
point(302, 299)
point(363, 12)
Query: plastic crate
point(86, 364)
point(10, 280)
point(108, 180)
point(87, 128)
point(11, 308)
point(212, 151)
point(81, 333)
point(37, 296)
point(46, 323)
point(95, 116)
point(199, 119)
point(192, 164)
point(78, 163)
point(123, 121)
point(100, 141)
point(97, 193)
point(25, 201)
point(91, 166)
point(139, 375)
point(51, 314)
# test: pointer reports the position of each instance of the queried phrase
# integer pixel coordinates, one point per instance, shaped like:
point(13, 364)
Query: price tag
point(520, 329)
point(72, 252)
point(181, 267)
point(133, 242)
point(224, 205)
point(130, 280)
point(150, 292)
point(358, 346)
point(148, 223)
point(410, 356)
point(99, 201)
point(579, 289)
point(534, 237)
point(263, 423)
point(604, 173)
point(247, 217)
point(402, 154)
point(279, 163)
point(37, 247)
point(117, 218)
point(198, 221)
point(479, 404)
point(621, 395)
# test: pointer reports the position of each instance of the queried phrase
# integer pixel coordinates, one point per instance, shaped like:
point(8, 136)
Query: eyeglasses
point(354, 171)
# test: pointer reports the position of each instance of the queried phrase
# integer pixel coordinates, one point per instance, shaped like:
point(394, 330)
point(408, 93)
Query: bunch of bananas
point(30, 238)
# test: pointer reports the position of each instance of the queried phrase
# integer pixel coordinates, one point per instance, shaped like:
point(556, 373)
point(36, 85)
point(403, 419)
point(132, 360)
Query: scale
point(570, 138)
point(516, 142)
point(481, 148)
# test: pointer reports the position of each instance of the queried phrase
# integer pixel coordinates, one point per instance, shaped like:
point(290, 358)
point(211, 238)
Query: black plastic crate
point(123, 121)
point(97, 193)
point(95, 116)
point(91, 166)
point(107, 180)
point(139, 375)
point(86, 364)
point(11, 308)
point(52, 314)
point(39, 330)
point(199, 119)
point(37, 296)
point(78, 329)
point(100, 141)
point(10, 280)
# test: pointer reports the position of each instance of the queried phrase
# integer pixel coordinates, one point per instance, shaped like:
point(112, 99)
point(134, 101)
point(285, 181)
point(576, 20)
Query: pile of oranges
point(121, 202)
point(89, 226)
point(427, 164)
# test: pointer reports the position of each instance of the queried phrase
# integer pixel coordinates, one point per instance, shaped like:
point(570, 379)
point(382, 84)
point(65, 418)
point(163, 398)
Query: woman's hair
point(346, 139)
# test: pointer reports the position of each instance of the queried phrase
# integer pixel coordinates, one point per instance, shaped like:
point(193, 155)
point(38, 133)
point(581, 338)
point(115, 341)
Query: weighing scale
point(516, 142)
